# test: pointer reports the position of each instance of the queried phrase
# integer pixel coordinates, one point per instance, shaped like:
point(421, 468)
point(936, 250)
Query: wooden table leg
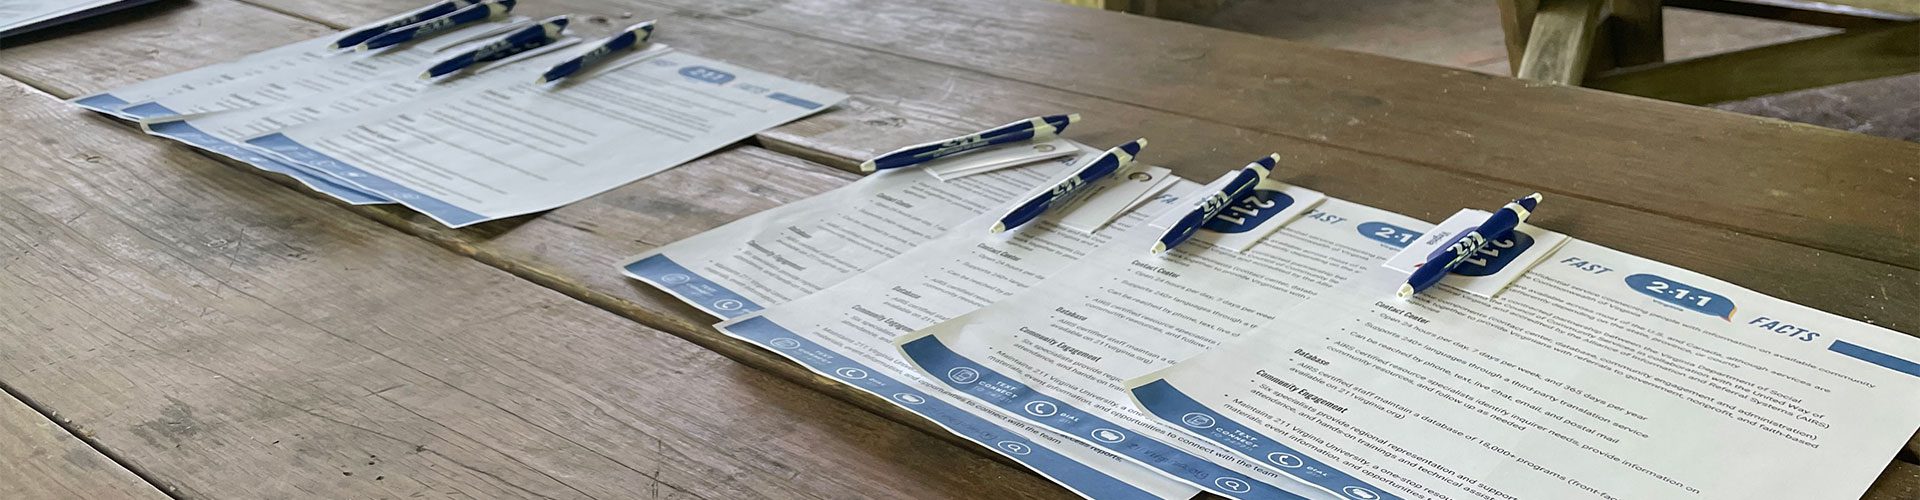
point(1561, 41)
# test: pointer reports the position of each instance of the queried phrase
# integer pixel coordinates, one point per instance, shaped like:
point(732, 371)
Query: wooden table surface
point(172, 325)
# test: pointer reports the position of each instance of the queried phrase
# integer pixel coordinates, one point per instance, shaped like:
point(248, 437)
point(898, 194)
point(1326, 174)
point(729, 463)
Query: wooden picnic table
point(171, 325)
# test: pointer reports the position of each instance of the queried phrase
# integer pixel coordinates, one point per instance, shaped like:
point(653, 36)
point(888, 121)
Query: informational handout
point(1596, 375)
point(843, 331)
point(787, 252)
point(1058, 354)
point(485, 152)
point(316, 79)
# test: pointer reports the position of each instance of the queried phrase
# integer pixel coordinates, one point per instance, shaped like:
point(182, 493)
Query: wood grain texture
point(230, 337)
point(1717, 167)
point(39, 459)
point(1845, 57)
point(1425, 116)
point(1901, 481)
point(164, 42)
point(1516, 22)
point(1816, 14)
point(611, 233)
point(893, 109)
point(572, 249)
point(1561, 43)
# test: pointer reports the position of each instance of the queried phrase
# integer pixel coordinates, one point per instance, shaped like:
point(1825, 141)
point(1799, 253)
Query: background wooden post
point(1516, 19)
point(1562, 40)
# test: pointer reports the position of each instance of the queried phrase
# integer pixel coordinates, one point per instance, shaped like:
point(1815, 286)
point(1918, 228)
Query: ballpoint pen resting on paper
point(1468, 244)
point(633, 36)
point(363, 34)
point(532, 37)
point(1099, 168)
point(1038, 128)
point(491, 9)
point(1239, 187)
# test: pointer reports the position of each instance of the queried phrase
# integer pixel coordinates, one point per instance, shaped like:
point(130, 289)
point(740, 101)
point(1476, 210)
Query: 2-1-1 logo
point(1492, 257)
point(1249, 212)
point(1682, 295)
point(1390, 234)
point(706, 74)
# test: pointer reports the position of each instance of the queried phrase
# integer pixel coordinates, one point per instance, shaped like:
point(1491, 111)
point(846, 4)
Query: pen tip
point(867, 166)
point(426, 76)
point(1073, 118)
point(998, 227)
point(1406, 290)
point(541, 81)
point(1159, 248)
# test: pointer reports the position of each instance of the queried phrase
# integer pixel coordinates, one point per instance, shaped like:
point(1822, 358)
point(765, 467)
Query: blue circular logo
point(1233, 484)
point(963, 375)
point(1285, 460)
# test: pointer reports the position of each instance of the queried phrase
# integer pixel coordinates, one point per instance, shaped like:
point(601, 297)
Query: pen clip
point(1100, 167)
point(632, 38)
point(1243, 183)
point(428, 29)
point(513, 24)
point(1031, 129)
point(535, 36)
point(1468, 243)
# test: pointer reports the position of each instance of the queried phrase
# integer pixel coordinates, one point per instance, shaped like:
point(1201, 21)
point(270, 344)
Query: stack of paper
point(22, 16)
point(1546, 368)
point(484, 144)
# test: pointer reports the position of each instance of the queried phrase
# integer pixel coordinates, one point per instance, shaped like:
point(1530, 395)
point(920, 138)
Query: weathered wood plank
point(231, 337)
point(1844, 57)
point(39, 459)
point(885, 114)
point(1428, 117)
point(668, 220)
point(1718, 166)
point(1516, 22)
point(163, 42)
point(1901, 481)
point(1561, 42)
point(887, 111)
point(1817, 14)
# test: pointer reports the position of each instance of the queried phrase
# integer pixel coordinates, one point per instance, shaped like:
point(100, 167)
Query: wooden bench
point(1617, 45)
point(216, 334)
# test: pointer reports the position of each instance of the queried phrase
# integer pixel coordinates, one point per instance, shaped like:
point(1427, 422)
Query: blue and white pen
point(629, 38)
point(1038, 128)
point(1105, 165)
point(424, 13)
point(1443, 262)
point(1239, 187)
point(490, 9)
point(532, 37)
